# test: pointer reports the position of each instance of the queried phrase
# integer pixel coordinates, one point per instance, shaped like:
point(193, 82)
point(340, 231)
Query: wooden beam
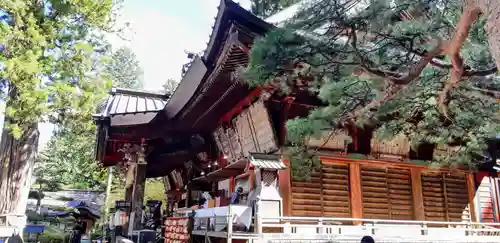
point(285, 186)
point(418, 198)
point(355, 191)
point(335, 158)
point(129, 189)
point(138, 195)
point(471, 192)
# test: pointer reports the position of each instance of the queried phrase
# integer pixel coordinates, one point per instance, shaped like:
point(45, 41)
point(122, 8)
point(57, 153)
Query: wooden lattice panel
point(457, 198)
point(306, 197)
point(434, 197)
point(375, 193)
point(262, 128)
point(269, 177)
point(335, 191)
point(400, 194)
point(445, 197)
point(387, 193)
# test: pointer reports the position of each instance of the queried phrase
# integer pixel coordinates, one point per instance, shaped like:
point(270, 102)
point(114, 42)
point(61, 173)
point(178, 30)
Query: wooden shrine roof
point(131, 107)
point(206, 92)
point(208, 84)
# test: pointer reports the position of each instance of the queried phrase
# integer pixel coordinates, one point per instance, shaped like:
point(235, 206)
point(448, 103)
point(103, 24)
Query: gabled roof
point(134, 106)
point(123, 101)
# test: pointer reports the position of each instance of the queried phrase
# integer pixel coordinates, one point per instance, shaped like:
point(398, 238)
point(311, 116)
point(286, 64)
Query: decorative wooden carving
point(335, 140)
point(397, 148)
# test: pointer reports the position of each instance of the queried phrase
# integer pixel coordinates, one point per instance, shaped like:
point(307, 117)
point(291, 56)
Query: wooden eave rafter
point(234, 54)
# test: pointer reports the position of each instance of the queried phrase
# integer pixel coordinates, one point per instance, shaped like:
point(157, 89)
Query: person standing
point(76, 233)
point(235, 196)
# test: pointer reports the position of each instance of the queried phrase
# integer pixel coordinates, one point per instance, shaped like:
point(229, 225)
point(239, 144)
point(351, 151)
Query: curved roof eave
point(201, 67)
point(226, 8)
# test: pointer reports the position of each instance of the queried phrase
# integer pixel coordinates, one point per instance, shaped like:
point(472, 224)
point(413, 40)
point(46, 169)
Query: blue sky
point(160, 32)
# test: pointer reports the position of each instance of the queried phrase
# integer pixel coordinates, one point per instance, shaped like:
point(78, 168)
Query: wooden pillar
point(471, 192)
point(285, 187)
point(418, 197)
point(138, 196)
point(355, 191)
point(129, 194)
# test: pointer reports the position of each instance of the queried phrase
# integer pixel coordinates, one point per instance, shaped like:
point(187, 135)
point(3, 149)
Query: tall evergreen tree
point(48, 52)
point(266, 8)
point(124, 69)
point(389, 66)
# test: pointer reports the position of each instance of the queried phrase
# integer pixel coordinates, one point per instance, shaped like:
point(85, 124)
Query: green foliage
point(155, 190)
point(52, 234)
point(68, 161)
point(51, 48)
point(367, 76)
point(266, 8)
point(124, 69)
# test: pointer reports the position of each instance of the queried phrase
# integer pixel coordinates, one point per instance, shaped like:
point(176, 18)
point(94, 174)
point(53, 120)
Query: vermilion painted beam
point(418, 197)
point(355, 191)
point(285, 186)
point(471, 192)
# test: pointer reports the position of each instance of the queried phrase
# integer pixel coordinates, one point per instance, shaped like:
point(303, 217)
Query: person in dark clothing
point(76, 233)
point(367, 239)
point(235, 196)
point(15, 238)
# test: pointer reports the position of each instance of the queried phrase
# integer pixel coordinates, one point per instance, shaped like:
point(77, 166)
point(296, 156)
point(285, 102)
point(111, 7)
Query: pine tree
point(124, 69)
point(49, 49)
point(266, 8)
point(388, 66)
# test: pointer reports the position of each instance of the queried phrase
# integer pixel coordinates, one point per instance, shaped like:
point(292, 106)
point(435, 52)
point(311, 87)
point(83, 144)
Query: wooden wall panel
point(335, 191)
point(242, 125)
point(445, 197)
point(457, 198)
point(326, 194)
point(387, 193)
point(306, 197)
point(434, 197)
point(400, 194)
point(375, 192)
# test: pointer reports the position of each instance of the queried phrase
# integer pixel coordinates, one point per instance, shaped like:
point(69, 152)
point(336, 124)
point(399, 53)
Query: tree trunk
point(17, 157)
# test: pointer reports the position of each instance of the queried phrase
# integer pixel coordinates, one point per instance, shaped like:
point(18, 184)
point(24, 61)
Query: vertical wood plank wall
point(364, 190)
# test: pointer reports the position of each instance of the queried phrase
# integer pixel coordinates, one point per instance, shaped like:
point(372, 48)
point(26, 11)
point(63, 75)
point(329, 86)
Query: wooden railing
point(303, 229)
